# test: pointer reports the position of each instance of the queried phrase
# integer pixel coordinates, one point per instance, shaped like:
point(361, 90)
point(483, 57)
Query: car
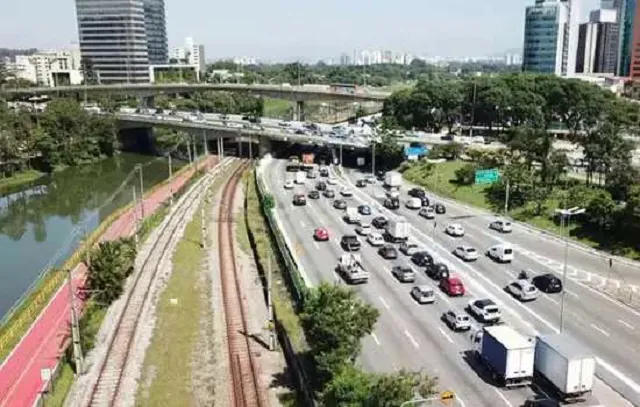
point(375, 239)
point(404, 274)
point(379, 222)
point(425, 201)
point(321, 234)
point(408, 248)
point(388, 252)
point(313, 195)
point(364, 210)
point(484, 310)
point(312, 174)
point(440, 209)
point(547, 283)
point(321, 186)
point(437, 271)
point(466, 253)
point(455, 230)
point(361, 183)
point(413, 203)
point(423, 294)
point(380, 175)
point(421, 258)
point(427, 212)
point(329, 193)
point(288, 184)
point(340, 204)
point(391, 203)
point(501, 225)
point(346, 192)
point(502, 253)
point(457, 320)
point(363, 229)
point(324, 172)
point(370, 179)
point(350, 243)
point(332, 181)
point(299, 200)
point(523, 290)
point(452, 286)
point(416, 192)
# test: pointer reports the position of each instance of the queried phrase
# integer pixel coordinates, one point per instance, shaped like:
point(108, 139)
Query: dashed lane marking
point(628, 325)
point(375, 339)
point(602, 331)
point(384, 303)
point(413, 341)
point(499, 393)
point(445, 334)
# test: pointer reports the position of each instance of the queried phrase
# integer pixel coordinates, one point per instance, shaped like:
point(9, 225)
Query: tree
point(391, 390)
point(601, 209)
point(111, 263)
point(466, 174)
point(388, 152)
point(350, 387)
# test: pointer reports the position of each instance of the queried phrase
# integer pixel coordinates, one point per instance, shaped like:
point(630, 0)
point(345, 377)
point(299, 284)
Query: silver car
point(523, 290)
point(423, 294)
point(457, 320)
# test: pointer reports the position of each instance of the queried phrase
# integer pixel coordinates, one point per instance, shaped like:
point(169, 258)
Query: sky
point(301, 29)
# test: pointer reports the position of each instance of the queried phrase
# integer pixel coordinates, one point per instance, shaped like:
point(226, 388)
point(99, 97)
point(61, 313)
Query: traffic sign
point(487, 176)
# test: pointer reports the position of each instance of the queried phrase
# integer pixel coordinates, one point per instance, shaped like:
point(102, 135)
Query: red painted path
point(43, 345)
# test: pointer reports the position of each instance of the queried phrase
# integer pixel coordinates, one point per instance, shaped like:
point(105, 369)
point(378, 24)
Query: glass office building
point(544, 37)
point(155, 25)
point(626, 17)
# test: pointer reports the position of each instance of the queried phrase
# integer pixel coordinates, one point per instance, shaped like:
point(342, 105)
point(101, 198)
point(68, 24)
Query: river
point(37, 223)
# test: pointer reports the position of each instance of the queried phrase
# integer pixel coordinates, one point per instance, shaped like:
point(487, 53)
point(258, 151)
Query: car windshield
point(463, 318)
point(470, 250)
point(492, 309)
point(530, 289)
point(508, 251)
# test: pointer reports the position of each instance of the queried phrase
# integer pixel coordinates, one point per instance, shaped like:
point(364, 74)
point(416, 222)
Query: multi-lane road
point(412, 336)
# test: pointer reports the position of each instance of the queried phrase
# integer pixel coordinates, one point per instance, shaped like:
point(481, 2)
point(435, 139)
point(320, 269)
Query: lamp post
point(565, 219)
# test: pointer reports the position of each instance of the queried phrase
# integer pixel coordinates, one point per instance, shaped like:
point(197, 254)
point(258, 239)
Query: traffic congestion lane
point(514, 308)
point(547, 248)
point(413, 326)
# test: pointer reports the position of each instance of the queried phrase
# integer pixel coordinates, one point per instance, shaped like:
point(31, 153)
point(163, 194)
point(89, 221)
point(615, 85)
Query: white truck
point(392, 179)
point(352, 216)
point(301, 176)
point(397, 230)
point(565, 364)
point(350, 268)
point(507, 354)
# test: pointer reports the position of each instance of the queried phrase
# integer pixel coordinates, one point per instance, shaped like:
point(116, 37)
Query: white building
point(190, 54)
point(49, 68)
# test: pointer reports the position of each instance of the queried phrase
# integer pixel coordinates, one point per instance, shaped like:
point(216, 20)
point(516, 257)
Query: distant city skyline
point(284, 30)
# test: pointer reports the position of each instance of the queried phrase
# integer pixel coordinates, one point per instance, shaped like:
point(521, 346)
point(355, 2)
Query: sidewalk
point(43, 344)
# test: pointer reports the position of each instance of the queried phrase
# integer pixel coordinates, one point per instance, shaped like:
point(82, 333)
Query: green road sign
point(487, 176)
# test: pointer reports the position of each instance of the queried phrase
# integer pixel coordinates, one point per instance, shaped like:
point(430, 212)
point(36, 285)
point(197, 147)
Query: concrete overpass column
point(147, 101)
point(298, 114)
point(264, 147)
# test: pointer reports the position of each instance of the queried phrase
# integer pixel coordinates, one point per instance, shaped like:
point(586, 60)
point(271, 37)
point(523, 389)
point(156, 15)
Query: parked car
point(437, 271)
point(485, 310)
point(455, 230)
point(547, 283)
point(416, 192)
point(340, 204)
point(363, 229)
point(404, 274)
point(408, 248)
point(457, 320)
point(364, 210)
point(422, 258)
point(321, 234)
point(388, 252)
point(379, 222)
point(523, 290)
point(329, 193)
point(375, 239)
point(299, 199)
point(452, 286)
point(502, 253)
point(427, 212)
point(466, 253)
point(501, 225)
point(423, 294)
point(313, 194)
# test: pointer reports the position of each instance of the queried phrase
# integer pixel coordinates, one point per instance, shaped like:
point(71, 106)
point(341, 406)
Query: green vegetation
point(277, 108)
point(214, 102)
point(111, 264)
point(62, 385)
point(18, 180)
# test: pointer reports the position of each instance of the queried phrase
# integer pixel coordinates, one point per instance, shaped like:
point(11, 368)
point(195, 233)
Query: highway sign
point(487, 176)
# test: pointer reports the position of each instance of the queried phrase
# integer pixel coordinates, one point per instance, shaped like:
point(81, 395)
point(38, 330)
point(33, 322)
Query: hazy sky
point(289, 29)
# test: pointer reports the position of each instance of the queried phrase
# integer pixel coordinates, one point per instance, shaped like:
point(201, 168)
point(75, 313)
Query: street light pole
point(141, 192)
point(506, 199)
point(170, 181)
point(373, 158)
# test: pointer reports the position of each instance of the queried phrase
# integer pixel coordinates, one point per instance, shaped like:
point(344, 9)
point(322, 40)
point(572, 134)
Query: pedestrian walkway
point(44, 343)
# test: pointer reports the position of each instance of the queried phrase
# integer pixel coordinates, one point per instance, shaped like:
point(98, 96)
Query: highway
point(409, 335)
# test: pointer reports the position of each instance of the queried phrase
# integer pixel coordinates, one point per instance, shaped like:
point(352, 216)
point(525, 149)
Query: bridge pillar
point(298, 113)
point(264, 147)
point(147, 101)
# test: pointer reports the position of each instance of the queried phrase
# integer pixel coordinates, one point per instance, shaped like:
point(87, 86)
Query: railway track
point(105, 391)
point(245, 386)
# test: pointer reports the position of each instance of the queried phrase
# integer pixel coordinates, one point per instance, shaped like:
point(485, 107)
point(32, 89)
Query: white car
point(466, 253)
point(455, 230)
point(413, 203)
point(408, 248)
point(502, 253)
point(346, 192)
point(332, 181)
point(457, 320)
point(363, 229)
point(427, 212)
point(485, 310)
point(288, 184)
point(375, 239)
point(423, 294)
point(501, 225)
point(523, 290)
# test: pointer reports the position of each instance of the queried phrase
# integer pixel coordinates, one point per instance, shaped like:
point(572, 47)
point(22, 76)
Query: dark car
point(340, 204)
point(392, 203)
point(437, 271)
point(364, 210)
point(380, 175)
point(388, 252)
point(379, 222)
point(425, 201)
point(313, 194)
point(440, 209)
point(547, 283)
point(416, 192)
point(361, 183)
point(350, 243)
point(329, 193)
point(321, 186)
point(324, 172)
point(422, 259)
point(447, 137)
point(299, 199)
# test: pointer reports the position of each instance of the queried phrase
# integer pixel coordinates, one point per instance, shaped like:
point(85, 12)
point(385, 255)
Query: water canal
point(37, 223)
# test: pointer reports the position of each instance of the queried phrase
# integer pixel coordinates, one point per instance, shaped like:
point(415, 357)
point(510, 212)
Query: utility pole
point(221, 148)
point(141, 192)
point(250, 152)
point(204, 146)
point(170, 181)
point(135, 214)
point(203, 222)
point(506, 199)
point(75, 329)
point(189, 151)
point(563, 225)
point(373, 158)
point(340, 154)
point(272, 341)
point(195, 153)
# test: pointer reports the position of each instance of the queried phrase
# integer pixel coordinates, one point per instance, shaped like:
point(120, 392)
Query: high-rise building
point(119, 37)
point(48, 67)
point(598, 43)
point(544, 37)
point(626, 12)
point(189, 54)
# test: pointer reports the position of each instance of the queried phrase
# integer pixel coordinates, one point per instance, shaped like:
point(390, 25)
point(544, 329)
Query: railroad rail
point(245, 384)
point(105, 391)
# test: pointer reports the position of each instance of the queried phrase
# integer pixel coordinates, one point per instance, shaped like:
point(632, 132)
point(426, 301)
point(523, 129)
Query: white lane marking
point(375, 339)
point(552, 300)
point(336, 241)
point(628, 325)
point(443, 297)
point(621, 376)
point(304, 225)
point(602, 331)
point(413, 341)
point(445, 334)
point(316, 245)
point(571, 293)
point(499, 393)
point(384, 303)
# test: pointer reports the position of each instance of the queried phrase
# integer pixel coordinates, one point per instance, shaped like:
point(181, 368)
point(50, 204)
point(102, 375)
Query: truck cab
point(352, 216)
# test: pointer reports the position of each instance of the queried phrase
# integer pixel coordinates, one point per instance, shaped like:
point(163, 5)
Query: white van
point(502, 253)
point(352, 216)
point(413, 203)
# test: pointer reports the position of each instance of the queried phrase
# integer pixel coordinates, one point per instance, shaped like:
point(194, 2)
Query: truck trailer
point(507, 354)
point(397, 230)
point(392, 179)
point(565, 364)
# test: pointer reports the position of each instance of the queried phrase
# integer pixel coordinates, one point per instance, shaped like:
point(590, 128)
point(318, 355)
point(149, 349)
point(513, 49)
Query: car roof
point(454, 279)
point(424, 287)
point(484, 302)
point(458, 312)
point(547, 276)
point(455, 225)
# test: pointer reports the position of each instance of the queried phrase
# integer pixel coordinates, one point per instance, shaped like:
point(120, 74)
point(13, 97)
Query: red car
point(321, 234)
point(452, 286)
